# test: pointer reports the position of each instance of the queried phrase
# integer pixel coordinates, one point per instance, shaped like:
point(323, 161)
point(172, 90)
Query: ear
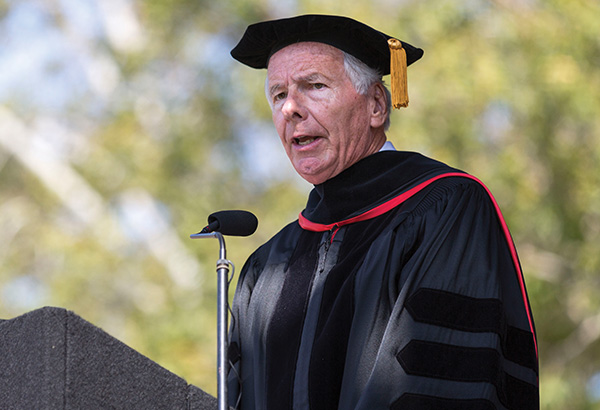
point(379, 109)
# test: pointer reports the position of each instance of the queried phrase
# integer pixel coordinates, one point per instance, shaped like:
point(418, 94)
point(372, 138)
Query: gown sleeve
point(459, 334)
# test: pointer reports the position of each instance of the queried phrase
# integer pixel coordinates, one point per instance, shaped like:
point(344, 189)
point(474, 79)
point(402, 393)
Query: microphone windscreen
point(234, 223)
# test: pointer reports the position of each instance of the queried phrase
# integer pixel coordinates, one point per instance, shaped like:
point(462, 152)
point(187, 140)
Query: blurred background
point(124, 123)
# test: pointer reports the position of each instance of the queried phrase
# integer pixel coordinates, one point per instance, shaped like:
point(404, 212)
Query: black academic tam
point(398, 287)
point(262, 40)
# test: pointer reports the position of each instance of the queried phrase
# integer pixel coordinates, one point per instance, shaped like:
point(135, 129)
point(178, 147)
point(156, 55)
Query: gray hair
point(362, 78)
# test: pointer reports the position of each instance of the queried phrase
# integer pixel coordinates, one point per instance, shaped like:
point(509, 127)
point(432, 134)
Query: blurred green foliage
point(154, 126)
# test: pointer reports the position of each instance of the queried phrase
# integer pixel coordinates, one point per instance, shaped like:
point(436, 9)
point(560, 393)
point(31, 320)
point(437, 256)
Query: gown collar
point(368, 183)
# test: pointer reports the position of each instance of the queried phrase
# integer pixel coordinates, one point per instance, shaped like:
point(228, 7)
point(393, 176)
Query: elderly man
point(399, 286)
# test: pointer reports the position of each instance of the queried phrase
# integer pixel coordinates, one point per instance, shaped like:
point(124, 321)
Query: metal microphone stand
point(222, 297)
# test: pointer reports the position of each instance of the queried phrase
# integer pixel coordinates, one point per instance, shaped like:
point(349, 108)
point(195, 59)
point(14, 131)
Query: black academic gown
point(398, 288)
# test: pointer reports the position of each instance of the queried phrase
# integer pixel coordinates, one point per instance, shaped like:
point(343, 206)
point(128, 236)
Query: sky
point(45, 68)
point(59, 80)
point(55, 64)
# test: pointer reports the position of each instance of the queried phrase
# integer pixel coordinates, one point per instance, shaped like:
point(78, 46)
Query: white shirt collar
point(388, 146)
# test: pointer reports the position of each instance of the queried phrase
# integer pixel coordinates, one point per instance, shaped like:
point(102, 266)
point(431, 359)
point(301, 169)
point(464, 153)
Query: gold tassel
point(398, 74)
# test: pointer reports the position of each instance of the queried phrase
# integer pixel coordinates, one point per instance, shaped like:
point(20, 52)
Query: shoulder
point(450, 207)
point(446, 191)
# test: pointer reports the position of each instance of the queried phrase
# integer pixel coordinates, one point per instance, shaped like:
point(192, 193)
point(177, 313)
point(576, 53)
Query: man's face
point(323, 123)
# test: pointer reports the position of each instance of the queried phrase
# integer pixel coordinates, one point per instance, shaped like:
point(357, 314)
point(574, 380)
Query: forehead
point(306, 56)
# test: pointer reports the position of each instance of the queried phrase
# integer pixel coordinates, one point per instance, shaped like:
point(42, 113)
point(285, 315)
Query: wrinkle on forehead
point(311, 47)
point(310, 55)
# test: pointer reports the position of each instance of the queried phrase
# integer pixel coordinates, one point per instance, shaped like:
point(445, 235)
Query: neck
point(379, 138)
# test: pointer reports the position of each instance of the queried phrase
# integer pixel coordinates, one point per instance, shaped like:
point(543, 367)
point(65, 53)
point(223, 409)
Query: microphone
point(234, 223)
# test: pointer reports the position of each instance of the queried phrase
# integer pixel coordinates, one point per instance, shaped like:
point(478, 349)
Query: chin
point(314, 181)
point(313, 174)
point(312, 178)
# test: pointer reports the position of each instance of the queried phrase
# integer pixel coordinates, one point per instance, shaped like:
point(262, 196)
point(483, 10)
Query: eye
point(279, 96)
point(318, 86)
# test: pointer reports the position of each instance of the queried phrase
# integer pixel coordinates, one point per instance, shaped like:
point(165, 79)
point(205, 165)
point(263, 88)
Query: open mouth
point(301, 141)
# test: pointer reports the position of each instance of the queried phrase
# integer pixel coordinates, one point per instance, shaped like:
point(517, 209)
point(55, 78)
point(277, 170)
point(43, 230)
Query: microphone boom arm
point(222, 319)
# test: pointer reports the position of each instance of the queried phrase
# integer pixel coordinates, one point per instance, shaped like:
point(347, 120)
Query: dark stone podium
point(51, 358)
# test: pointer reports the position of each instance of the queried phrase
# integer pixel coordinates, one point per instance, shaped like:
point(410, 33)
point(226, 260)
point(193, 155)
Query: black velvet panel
point(336, 313)
point(454, 311)
point(463, 364)
point(448, 362)
point(422, 402)
point(330, 345)
point(519, 348)
point(285, 329)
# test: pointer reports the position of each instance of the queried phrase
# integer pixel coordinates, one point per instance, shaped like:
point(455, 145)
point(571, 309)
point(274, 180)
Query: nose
point(293, 108)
